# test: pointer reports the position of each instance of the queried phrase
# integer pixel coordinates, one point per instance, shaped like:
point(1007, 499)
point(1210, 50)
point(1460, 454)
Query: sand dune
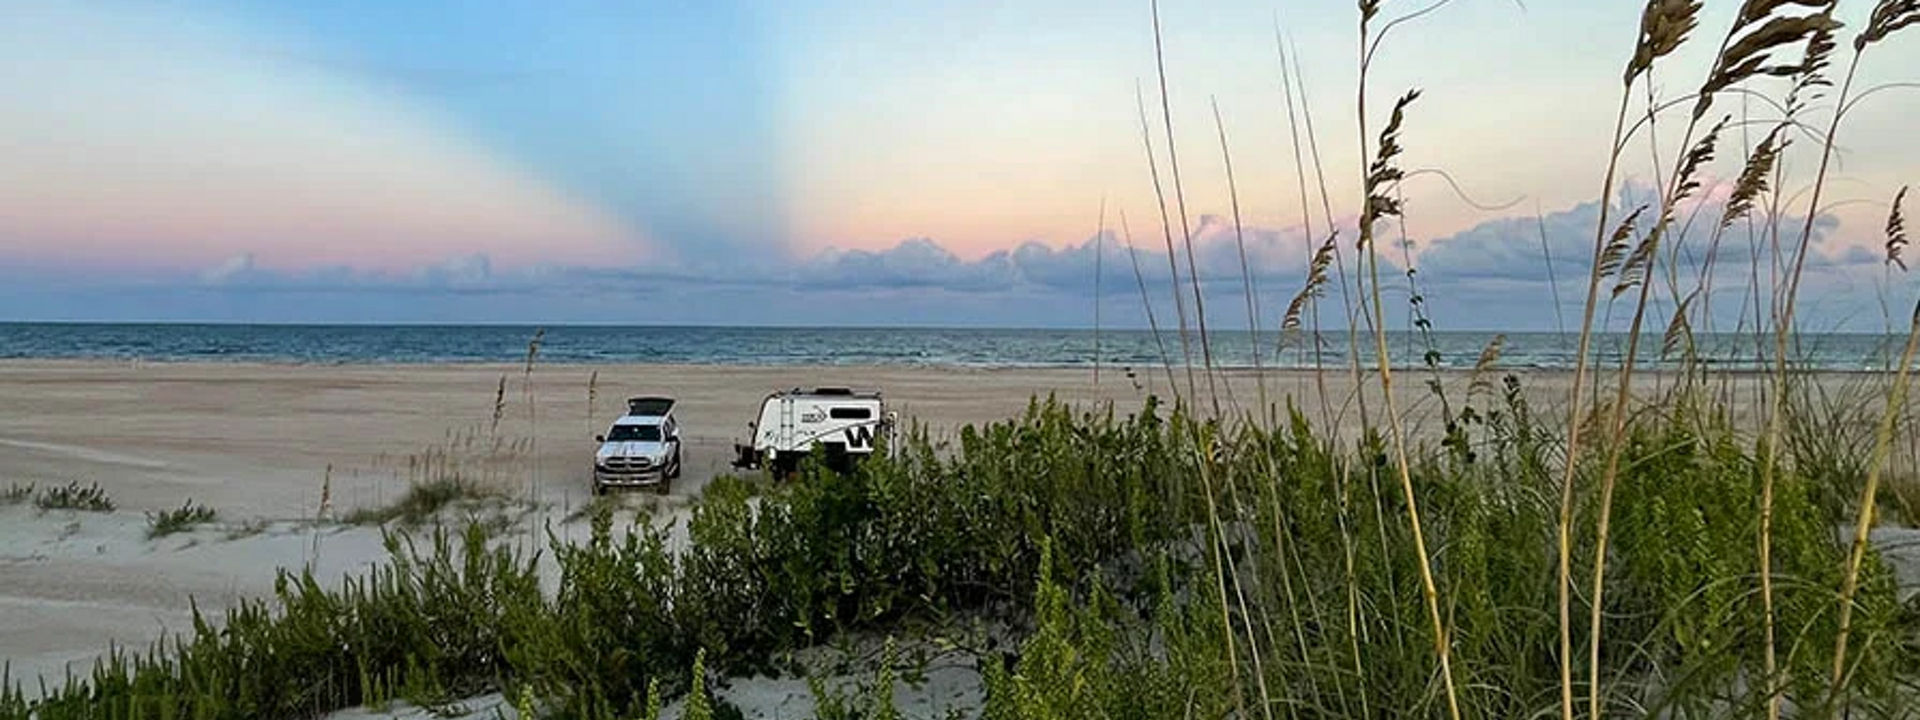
point(264, 443)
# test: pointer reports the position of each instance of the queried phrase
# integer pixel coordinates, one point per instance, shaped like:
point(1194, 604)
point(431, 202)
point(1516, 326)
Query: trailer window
point(851, 413)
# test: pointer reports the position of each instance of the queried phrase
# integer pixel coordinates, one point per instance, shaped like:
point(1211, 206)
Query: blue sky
point(749, 162)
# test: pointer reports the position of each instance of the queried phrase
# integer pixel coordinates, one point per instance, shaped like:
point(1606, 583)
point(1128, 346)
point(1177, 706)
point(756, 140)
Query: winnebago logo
point(860, 436)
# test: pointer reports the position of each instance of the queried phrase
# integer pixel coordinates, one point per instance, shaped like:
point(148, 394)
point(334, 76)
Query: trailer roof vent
point(833, 391)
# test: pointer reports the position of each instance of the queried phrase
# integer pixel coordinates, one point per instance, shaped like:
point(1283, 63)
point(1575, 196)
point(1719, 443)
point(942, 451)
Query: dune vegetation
point(1626, 553)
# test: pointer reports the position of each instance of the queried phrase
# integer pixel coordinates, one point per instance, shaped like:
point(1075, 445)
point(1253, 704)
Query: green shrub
point(16, 493)
point(427, 628)
point(423, 501)
point(13, 702)
point(73, 497)
point(187, 517)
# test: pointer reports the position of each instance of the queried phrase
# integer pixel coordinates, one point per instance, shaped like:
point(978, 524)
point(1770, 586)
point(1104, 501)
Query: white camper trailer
point(843, 424)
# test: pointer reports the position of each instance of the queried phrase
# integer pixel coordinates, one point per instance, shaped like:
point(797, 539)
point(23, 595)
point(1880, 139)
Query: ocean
point(934, 347)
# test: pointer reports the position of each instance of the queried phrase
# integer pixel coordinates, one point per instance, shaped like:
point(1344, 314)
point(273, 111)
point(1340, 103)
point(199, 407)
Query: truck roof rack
point(651, 405)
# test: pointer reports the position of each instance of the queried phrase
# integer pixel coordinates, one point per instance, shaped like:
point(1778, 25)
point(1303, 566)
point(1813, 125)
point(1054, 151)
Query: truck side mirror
point(599, 438)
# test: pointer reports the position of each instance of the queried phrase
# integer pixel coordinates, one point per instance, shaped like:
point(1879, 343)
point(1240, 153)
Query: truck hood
point(632, 449)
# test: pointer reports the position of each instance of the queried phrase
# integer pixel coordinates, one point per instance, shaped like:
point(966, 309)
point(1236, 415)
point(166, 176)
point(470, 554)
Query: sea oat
point(1489, 356)
point(1897, 231)
point(1664, 26)
point(1753, 178)
point(1888, 17)
point(1315, 287)
point(1616, 247)
point(1760, 32)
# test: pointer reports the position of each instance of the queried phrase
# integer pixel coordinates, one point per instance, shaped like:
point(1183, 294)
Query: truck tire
point(673, 469)
point(599, 489)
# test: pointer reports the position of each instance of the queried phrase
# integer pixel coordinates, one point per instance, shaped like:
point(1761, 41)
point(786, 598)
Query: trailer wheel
point(784, 467)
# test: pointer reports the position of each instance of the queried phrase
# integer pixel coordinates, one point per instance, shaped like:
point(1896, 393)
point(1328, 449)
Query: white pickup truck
point(641, 448)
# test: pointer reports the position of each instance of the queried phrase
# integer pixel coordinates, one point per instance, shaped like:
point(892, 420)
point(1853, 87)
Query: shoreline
point(1710, 367)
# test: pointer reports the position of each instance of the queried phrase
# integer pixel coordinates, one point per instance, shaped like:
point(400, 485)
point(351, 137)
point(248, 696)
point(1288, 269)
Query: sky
point(823, 162)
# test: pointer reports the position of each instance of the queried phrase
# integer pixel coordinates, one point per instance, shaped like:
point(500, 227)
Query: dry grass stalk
point(326, 495)
point(533, 420)
point(1202, 448)
point(1193, 277)
point(1679, 334)
point(1752, 183)
point(1888, 16)
point(1309, 301)
point(1356, 312)
point(1146, 301)
point(1180, 199)
point(533, 348)
point(1664, 27)
point(1606, 255)
point(499, 408)
point(1246, 271)
point(1232, 572)
point(1166, 232)
point(1882, 448)
point(1306, 239)
point(1381, 173)
point(593, 392)
point(1099, 247)
point(1553, 281)
point(1634, 273)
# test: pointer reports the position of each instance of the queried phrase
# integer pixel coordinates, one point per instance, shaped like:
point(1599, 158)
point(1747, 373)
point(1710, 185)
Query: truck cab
point(641, 448)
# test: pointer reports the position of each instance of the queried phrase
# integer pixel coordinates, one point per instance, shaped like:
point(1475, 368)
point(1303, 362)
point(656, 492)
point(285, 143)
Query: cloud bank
point(1493, 276)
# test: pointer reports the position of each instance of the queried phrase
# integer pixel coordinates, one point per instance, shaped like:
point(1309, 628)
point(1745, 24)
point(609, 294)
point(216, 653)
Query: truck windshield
point(634, 433)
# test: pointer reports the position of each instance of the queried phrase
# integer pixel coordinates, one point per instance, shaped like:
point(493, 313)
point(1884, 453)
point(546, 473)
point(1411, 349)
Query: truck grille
point(619, 464)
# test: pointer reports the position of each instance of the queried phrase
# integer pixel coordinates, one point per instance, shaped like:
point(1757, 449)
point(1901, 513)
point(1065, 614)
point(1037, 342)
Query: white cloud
point(234, 269)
